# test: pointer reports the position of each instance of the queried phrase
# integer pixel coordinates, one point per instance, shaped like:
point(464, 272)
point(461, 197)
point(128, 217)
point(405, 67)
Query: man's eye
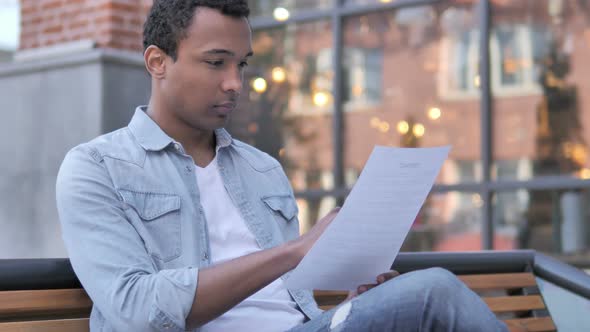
point(215, 63)
point(243, 64)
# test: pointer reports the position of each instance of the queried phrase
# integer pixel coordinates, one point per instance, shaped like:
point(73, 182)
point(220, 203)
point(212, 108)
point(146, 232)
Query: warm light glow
point(259, 84)
point(384, 127)
point(403, 127)
point(278, 74)
point(418, 130)
point(579, 154)
point(476, 81)
point(357, 90)
point(281, 14)
point(385, 1)
point(585, 173)
point(434, 113)
point(511, 65)
point(476, 200)
point(321, 99)
point(253, 128)
point(567, 148)
point(375, 122)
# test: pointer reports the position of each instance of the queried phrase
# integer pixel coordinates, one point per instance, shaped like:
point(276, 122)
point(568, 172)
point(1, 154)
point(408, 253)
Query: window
point(458, 65)
point(515, 51)
point(362, 80)
point(267, 7)
point(363, 77)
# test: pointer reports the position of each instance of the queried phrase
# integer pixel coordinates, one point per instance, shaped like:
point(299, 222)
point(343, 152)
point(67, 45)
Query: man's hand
point(306, 241)
point(222, 286)
point(380, 279)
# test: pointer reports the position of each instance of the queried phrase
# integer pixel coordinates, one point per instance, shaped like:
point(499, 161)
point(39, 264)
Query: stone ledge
point(90, 56)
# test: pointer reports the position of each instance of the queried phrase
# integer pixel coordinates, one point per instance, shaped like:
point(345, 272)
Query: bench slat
point(539, 324)
point(475, 282)
point(325, 298)
point(514, 303)
point(499, 281)
point(61, 325)
point(53, 301)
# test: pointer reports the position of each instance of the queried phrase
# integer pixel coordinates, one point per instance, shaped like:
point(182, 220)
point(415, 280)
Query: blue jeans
point(427, 300)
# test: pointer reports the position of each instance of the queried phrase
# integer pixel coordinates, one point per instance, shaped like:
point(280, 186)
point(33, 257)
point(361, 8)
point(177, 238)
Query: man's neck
point(202, 154)
point(199, 144)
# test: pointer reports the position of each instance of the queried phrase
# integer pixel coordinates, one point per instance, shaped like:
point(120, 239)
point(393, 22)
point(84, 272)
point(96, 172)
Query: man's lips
point(224, 108)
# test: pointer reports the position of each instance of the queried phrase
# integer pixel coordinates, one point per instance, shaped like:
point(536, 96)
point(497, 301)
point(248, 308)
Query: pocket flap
point(283, 204)
point(150, 205)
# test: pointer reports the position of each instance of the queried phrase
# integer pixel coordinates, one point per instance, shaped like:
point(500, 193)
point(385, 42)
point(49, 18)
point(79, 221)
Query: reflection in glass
point(365, 2)
point(311, 210)
point(539, 51)
point(286, 106)
point(548, 221)
point(410, 80)
point(281, 10)
point(449, 222)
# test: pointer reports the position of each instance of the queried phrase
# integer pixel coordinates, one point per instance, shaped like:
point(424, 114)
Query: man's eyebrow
point(226, 52)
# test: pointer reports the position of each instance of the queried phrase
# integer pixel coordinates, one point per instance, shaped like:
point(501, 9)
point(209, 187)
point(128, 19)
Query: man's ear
point(155, 61)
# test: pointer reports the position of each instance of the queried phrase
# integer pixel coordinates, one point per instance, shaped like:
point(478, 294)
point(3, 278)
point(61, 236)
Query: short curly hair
point(168, 20)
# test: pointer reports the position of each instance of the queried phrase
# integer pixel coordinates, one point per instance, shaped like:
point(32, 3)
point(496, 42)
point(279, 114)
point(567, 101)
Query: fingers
point(333, 212)
point(380, 279)
point(387, 276)
point(308, 239)
point(330, 216)
point(363, 288)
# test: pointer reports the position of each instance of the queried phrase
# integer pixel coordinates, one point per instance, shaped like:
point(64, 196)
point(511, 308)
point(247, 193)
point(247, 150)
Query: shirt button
point(177, 146)
point(188, 169)
point(205, 256)
point(166, 325)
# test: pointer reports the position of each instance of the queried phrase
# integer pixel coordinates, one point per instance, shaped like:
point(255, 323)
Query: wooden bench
point(41, 295)
point(59, 310)
point(514, 297)
point(46, 296)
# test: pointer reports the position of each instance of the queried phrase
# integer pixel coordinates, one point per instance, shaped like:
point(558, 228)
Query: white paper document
point(364, 239)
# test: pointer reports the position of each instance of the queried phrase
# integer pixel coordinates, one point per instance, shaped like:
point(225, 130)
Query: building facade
point(502, 82)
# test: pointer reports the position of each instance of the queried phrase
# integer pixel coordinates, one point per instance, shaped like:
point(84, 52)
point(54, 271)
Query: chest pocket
point(283, 206)
point(284, 212)
point(157, 218)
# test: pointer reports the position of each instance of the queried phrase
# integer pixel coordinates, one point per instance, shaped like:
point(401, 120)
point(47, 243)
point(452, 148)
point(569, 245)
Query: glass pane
point(365, 2)
point(312, 209)
point(568, 310)
point(548, 221)
point(447, 222)
point(10, 27)
point(410, 80)
point(282, 9)
point(539, 78)
point(286, 106)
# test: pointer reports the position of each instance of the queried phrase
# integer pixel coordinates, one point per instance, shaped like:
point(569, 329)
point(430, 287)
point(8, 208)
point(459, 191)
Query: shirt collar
point(223, 138)
point(152, 138)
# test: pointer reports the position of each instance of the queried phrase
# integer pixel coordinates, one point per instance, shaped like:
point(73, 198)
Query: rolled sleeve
point(175, 291)
point(109, 256)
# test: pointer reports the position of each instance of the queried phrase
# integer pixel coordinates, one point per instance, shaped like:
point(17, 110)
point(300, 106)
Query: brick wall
point(109, 23)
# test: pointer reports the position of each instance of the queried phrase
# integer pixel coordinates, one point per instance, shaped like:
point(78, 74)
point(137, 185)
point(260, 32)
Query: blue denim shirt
point(135, 231)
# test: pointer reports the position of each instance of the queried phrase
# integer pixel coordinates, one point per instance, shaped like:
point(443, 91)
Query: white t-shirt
point(271, 309)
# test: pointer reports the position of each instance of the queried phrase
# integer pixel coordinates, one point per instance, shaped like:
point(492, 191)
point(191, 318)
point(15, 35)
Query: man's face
point(202, 86)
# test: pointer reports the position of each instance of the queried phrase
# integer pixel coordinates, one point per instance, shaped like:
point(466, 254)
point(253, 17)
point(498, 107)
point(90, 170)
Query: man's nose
point(233, 81)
